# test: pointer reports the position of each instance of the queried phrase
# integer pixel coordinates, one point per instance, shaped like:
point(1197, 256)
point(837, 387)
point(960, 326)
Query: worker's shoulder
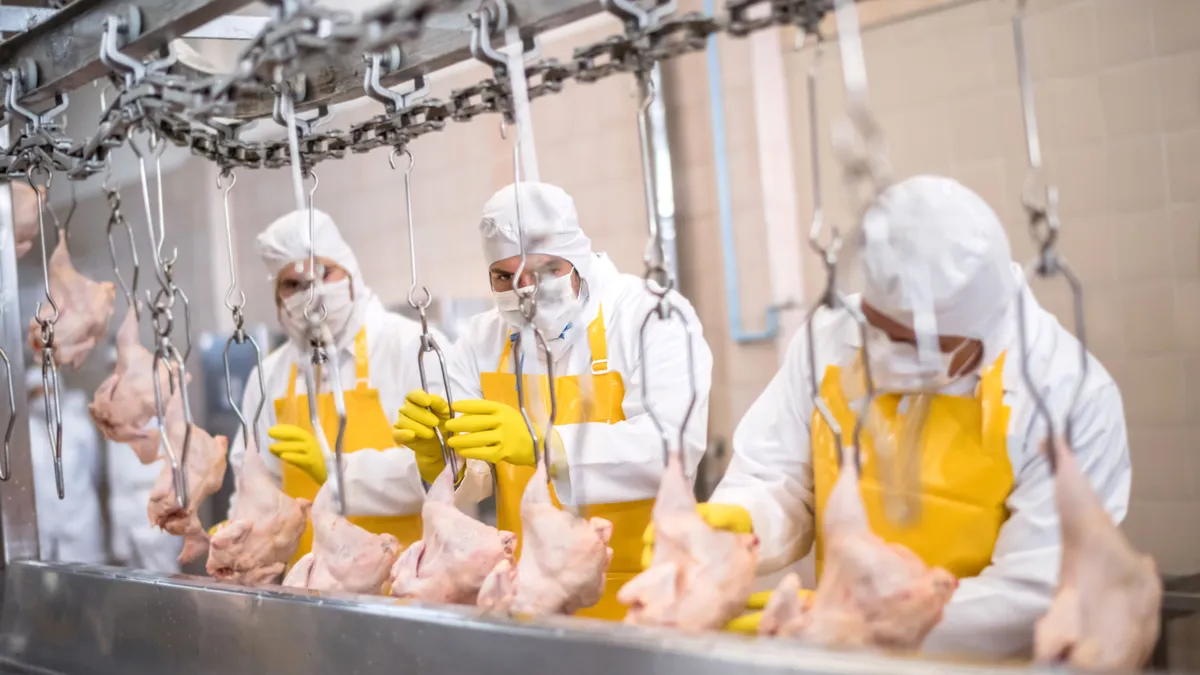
point(627, 299)
point(1057, 361)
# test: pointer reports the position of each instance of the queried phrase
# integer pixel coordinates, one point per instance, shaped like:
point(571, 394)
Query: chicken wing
point(344, 556)
point(84, 307)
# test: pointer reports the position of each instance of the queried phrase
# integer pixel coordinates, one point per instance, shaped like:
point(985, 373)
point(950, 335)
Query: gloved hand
point(492, 432)
point(213, 530)
point(298, 448)
point(749, 622)
point(414, 429)
point(730, 517)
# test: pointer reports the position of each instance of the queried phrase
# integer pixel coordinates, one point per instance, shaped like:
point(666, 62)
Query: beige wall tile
point(1071, 111)
point(1126, 31)
point(1136, 178)
point(1153, 388)
point(1064, 40)
point(1154, 525)
point(1183, 165)
point(1129, 94)
point(1187, 315)
point(1175, 24)
point(1165, 466)
point(1177, 89)
point(1151, 329)
point(1143, 246)
point(1185, 233)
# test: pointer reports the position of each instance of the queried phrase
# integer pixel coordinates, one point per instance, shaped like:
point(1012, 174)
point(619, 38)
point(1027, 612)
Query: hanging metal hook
point(1048, 262)
point(381, 64)
point(116, 220)
point(12, 415)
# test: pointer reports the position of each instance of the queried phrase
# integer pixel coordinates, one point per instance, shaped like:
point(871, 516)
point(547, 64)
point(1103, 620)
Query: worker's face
point(293, 278)
point(503, 271)
point(967, 351)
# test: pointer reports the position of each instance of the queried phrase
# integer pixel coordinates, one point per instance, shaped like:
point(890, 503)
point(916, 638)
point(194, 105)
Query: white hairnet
point(936, 236)
point(286, 241)
point(550, 222)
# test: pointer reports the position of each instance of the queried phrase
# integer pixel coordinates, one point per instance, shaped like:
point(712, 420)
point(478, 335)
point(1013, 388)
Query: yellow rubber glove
point(414, 429)
point(749, 622)
point(730, 517)
point(490, 431)
point(298, 448)
point(213, 530)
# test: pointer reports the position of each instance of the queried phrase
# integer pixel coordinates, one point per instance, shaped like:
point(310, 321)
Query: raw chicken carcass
point(449, 564)
point(124, 403)
point(25, 215)
point(205, 472)
point(699, 577)
point(1105, 614)
point(871, 593)
point(344, 556)
point(263, 531)
point(84, 307)
point(563, 560)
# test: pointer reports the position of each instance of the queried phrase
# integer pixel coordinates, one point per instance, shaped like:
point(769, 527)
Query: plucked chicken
point(1105, 614)
point(871, 593)
point(25, 215)
point(205, 472)
point(84, 307)
point(699, 577)
point(263, 531)
point(124, 403)
point(449, 564)
point(344, 556)
point(563, 560)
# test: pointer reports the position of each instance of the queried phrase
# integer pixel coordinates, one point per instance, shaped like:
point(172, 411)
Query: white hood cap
point(550, 222)
point(285, 241)
point(936, 230)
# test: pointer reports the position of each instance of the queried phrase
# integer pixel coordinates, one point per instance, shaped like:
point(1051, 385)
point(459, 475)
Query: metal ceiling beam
point(14, 19)
point(66, 47)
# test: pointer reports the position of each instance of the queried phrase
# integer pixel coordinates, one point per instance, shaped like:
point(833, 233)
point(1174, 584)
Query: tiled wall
point(1118, 93)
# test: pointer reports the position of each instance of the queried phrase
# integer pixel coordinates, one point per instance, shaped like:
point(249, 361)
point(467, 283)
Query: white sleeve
point(993, 614)
point(770, 473)
point(622, 462)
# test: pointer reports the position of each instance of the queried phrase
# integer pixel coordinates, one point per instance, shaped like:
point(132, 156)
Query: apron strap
point(362, 364)
point(994, 415)
point(291, 385)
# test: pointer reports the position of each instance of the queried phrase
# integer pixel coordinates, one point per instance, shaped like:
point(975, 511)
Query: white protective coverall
point(939, 225)
point(379, 482)
point(70, 529)
point(605, 463)
point(135, 542)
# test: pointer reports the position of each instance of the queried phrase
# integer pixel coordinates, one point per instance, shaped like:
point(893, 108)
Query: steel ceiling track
point(66, 47)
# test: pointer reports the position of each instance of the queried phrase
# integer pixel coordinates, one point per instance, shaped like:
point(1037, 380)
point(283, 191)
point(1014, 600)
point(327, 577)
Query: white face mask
point(896, 366)
point(339, 303)
point(557, 306)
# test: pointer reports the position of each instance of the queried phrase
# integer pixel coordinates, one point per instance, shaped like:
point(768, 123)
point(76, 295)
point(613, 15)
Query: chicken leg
point(1105, 613)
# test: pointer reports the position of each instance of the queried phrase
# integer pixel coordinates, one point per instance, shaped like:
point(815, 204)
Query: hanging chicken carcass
point(564, 559)
point(344, 556)
point(871, 593)
point(455, 554)
point(699, 578)
point(25, 215)
point(84, 307)
point(1105, 613)
point(263, 531)
point(123, 405)
point(205, 469)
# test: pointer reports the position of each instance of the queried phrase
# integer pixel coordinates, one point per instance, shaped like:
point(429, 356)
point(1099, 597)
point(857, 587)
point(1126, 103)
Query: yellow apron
point(966, 475)
point(629, 519)
point(367, 427)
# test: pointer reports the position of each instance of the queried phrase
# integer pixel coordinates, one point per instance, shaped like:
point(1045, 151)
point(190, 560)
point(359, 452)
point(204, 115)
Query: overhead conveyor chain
point(320, 53)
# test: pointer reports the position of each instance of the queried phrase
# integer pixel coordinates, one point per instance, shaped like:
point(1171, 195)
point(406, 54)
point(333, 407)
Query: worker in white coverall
point(606, 456)
point(377, 351)
point(69, 529)
point(987, 510)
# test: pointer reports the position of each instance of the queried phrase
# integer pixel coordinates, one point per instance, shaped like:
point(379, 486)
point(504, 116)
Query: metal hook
point(12, 415)
point(378, 65)
point(240, 337)
point(176, 370)
point(225, 182)
point(672, 312)
point(481, 32)
point(30, 177)
point(1048, 262)
point(54, 428)
point(117, 219)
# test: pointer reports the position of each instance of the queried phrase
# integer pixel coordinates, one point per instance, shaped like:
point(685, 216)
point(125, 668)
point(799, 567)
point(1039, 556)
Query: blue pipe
point(716, 99)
